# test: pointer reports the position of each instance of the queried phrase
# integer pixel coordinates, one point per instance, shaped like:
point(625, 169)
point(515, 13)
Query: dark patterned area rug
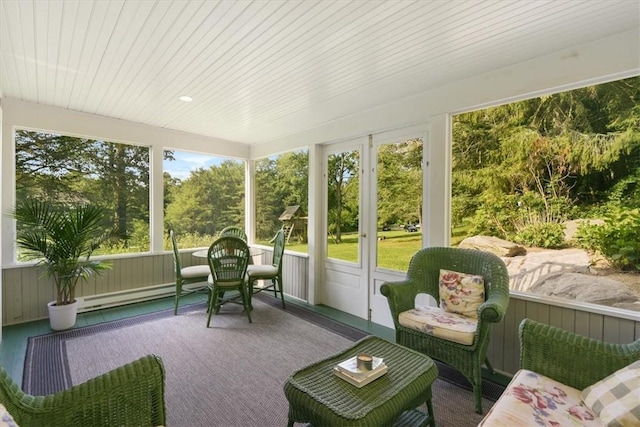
point(46, 367)
point(286, 339)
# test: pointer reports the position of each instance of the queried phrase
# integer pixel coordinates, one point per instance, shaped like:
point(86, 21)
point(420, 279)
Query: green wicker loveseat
point(131, 395)
point(423, 277)
point(573, 372)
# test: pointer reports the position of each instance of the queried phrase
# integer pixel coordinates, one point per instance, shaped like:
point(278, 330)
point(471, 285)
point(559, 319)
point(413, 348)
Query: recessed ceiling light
point(186, 98)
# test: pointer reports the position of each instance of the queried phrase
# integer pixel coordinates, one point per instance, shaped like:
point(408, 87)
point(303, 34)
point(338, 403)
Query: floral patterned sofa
point(570, 380)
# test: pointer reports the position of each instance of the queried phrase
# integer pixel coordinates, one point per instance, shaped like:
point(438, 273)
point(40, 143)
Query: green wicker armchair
point(235, 232)
point(569, 358)
point(131, 395)
point(270, 272)
point(423, 277)
point(194, 274)
point(228, 260)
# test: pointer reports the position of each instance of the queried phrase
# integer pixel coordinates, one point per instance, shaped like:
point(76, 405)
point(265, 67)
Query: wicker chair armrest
point(401, 296)
point(494, 308)
point(132, 394)
point(569, 358)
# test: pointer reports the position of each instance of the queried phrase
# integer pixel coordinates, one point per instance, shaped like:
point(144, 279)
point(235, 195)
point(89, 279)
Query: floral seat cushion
point(442, 324)
point(534, 400)
point(6, 420)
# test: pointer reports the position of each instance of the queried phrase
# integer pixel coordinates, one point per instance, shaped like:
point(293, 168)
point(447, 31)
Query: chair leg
point(246, 302)
point(210, 306)
point(476, 382)
point(489, 367)
point(250, 293)
point(477, 397)
point(208, 298)
point(430, 411)
point(278, 285)
point(177, 297)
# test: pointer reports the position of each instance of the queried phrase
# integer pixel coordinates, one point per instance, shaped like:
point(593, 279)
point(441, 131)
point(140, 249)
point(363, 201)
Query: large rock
point(528, 269)
point(584, 288)
point(633, 306)
point(500, 247)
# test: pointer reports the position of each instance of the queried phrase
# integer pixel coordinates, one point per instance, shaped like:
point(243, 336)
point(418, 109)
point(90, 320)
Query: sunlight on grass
point(394, 251)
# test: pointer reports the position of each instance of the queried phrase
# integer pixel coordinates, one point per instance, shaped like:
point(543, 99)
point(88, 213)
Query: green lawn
point(394, 251)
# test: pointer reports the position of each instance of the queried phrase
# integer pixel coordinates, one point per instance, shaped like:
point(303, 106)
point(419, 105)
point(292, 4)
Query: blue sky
point(185, 162)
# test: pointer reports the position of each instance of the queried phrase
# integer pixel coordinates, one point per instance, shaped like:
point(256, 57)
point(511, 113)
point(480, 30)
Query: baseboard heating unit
point(113, 299)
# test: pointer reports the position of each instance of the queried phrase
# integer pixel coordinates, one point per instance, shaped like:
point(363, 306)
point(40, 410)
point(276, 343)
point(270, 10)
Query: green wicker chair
point(272, 272)
point(569, 358)
point(234, 231)
point(228, 259)
point(187, 275)
point(423, 277)
point(131, 395)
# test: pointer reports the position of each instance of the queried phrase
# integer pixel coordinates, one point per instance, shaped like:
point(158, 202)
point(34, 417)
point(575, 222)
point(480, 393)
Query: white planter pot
point(63, 316)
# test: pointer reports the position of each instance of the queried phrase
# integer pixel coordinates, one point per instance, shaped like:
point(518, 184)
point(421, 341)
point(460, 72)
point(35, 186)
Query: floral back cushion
point(461, 293)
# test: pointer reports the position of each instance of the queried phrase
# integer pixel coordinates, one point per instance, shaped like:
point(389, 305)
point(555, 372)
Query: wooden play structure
point(294, 224)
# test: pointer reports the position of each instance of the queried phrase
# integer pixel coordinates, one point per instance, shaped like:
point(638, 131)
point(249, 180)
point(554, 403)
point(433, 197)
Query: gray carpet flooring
point(232, 373)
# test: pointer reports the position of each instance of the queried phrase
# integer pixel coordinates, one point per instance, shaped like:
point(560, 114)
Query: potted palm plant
point(62, 239)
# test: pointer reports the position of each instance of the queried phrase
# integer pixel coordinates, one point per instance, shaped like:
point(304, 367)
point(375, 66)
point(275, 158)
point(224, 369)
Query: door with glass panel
point(397, 204)
point(345, 258)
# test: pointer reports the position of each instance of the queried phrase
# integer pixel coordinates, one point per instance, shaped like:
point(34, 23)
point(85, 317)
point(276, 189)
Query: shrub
point(494, 216)
point(618, 239)
point(544, 235)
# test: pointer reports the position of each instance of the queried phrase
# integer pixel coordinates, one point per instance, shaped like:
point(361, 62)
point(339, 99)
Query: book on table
point(349, 371)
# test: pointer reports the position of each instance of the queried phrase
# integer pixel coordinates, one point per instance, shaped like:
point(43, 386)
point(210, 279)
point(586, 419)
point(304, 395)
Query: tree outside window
point(75, 170)
point(202, 195)
point(553, 173)
point(281, 192)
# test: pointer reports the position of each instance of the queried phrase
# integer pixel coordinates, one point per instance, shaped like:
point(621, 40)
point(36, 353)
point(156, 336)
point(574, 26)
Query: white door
point(397, 199)
point(345, 258)
point(373, 187)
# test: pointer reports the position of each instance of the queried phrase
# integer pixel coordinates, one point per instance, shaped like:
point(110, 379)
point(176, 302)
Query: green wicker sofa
point(131, 395)
point(555, 383)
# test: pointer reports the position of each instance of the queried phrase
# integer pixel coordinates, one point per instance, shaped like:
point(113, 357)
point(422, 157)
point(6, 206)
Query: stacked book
point(349, 371)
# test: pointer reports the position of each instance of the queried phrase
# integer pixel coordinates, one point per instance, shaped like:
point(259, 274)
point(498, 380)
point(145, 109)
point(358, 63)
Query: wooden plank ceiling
point(259, 70)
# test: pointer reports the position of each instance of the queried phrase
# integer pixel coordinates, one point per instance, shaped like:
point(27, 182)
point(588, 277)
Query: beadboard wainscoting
point(25, 292)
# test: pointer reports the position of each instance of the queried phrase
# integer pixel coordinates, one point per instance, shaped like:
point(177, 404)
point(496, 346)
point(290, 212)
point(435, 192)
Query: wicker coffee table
point(317, 396)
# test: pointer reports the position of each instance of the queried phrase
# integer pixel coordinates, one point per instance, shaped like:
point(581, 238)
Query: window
point(559, 174)
point(281, 193)
point(202, 195)
point(343, 205)
point(72, 170)
point(399, 203)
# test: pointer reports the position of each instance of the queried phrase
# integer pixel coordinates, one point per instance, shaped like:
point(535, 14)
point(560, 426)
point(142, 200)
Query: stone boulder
point(525, 270)
point(584, 288)
point(500, 247)
point(633, 306)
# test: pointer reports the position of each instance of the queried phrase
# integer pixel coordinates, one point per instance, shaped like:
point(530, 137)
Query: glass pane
point(74, 170)
point(399, 209)
point(202, 195)
point(559, 176)
point(343, 202)
point(282, 194)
